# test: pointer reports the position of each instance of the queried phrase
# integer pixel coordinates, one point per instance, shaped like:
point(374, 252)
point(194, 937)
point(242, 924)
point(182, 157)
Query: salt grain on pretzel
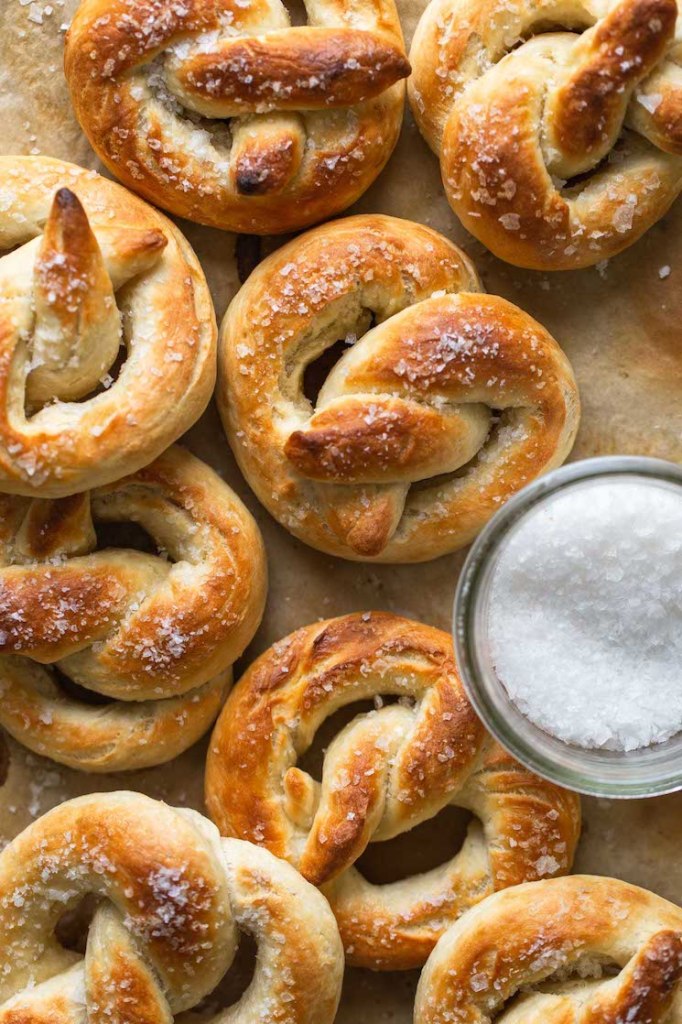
point(223, 112)
point(156, 635)
point(578, 950)
point(89, 271)
point(172, 899)
point(384, 773)
point(558, 127)
point(428, 422)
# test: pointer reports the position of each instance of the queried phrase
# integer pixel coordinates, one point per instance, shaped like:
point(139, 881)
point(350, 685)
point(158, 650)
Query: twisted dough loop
point(447, 407)
point(384, 773)
point(517, 126)
point(550, 941)
point(316, 109)
point(173, 895)
point(157, 637)
point(90, 271)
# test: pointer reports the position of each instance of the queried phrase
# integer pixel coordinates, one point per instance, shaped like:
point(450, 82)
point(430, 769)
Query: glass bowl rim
point(576, 776)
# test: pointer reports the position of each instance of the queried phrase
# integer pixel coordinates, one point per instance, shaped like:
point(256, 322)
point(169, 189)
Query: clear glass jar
point(648, 771)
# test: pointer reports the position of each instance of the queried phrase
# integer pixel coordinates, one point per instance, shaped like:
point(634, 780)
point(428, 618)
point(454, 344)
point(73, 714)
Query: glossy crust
point(156, 637)
point(173, 898)
point(315, 110)
point(89, 268)
point(562, 151)
point(384, 773)
point(448, 378)
point(535, 954)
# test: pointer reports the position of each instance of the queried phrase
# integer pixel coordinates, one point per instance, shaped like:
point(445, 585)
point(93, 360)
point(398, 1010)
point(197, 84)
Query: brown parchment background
point(621, 326)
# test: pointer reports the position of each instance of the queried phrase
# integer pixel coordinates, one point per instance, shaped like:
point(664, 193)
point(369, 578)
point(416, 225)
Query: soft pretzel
point(433, 418)
point(558, 126)
point(223, 112)
point(172, 900)
point(578, 950)
point(90, 271)
point(384, 773)
point(156, 635)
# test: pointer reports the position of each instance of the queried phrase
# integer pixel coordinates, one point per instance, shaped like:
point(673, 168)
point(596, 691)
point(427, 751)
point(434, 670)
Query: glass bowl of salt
point(568, 626)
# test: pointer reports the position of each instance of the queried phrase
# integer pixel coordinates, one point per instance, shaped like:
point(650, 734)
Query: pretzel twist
point(155, 636)
point(432, 419)
point(384, 773)
point(314, 110)
point(578, 950)
point(173, 898)
point(561, 151)
point(89, 272)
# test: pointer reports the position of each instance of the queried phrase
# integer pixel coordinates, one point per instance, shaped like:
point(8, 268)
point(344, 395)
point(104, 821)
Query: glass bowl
point(648, 771)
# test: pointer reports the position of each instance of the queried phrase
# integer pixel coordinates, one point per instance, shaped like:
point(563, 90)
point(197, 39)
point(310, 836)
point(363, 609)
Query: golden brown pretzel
point(173, 898)
point(90, 271)
point(561, 151)
point(314, 111)
point(577, 950)
point(155, 635)
point(424, 427)
point(384, 773)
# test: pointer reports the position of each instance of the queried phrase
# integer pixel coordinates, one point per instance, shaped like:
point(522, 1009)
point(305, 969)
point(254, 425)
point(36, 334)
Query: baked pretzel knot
point(89, 276)
point(154, 633)
point(558, 126)
point(433, 418)
point(172, 900)
point(223, 112)
point(385, 772)
point(578, 950)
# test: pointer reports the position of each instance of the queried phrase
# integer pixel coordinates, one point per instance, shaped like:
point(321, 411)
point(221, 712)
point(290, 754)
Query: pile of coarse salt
point(585, 613)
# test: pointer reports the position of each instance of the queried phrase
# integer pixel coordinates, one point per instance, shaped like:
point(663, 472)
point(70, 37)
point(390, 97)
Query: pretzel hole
point(579, 182)
point(312, 760)
point(232, 985)
point(579, 23)
point(423, 848)
point(110, 377)
point(77, 692)
point(590, 966)
point(586, 973)
point(297, 12)
point(71, 930)
point(127, 535)
point(106, 382)
point(317, 371)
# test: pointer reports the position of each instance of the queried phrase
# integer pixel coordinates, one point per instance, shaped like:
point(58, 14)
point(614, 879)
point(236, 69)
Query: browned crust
point(55, 527)
point(180, 923)
point(165, 637)
point(143, 149)
point(505, 120)
point(305, 68)
point(128, 425)
point(442, 756)
point(170, 898)
point(412, 401)
point(267, 160)
point(521, 936)
point(534, 224)
point(631, 39)
point(347, 444)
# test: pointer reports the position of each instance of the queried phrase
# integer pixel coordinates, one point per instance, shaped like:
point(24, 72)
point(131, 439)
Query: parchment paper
point(621, 327)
